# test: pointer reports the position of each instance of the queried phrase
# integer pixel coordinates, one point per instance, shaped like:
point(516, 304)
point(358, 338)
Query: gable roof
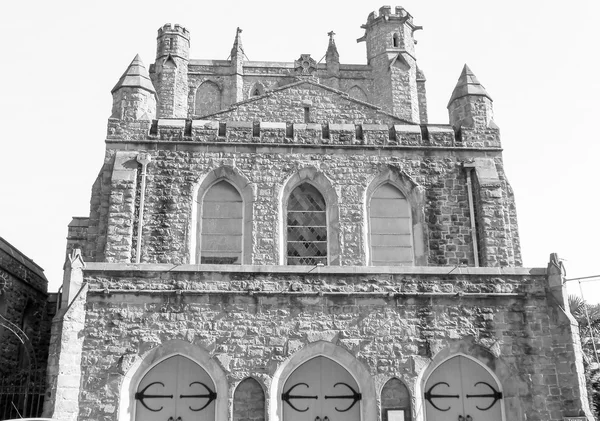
point(342, 96)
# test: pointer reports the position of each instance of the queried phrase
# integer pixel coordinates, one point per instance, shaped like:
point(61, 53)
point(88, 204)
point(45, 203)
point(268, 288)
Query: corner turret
point(237, 66)
point(174, 41)
point(134, 97)
point(391, 54)
point(470, 105)
point(332, 57)
point(171, 71)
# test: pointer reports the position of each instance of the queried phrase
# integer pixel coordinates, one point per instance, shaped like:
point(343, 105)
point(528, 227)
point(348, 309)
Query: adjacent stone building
point(26, 310)
point(295, 241)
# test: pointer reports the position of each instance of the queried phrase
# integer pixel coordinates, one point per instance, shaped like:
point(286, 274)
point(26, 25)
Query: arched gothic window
point(357, 93)
point(249, 401)
point(208, 99)
point(257, 89)
point(306, 226)
point(221, 239)
point(390, 225)
point(395, 401)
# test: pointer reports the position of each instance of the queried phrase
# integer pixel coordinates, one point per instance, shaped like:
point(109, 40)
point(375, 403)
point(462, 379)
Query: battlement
point(385, 14)
point(328, 134)
point(169, 29)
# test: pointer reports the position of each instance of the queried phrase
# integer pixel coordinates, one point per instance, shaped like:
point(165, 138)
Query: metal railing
point(21, 397)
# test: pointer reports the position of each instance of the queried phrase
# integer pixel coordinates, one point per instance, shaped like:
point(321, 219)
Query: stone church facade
point(294, 241)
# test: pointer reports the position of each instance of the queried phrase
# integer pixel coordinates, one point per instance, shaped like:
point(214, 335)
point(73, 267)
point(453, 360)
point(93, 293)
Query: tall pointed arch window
point(306, 226)
point(208, 99)
point(221, 239)
point(390, 225)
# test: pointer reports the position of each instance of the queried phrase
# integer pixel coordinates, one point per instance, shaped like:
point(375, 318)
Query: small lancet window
point(395, 401)
point(222, 225)
point(249, 401)
point(307, 114)
point(390, 227)
point(256, 92)
point(306, 227)
point(396, 41)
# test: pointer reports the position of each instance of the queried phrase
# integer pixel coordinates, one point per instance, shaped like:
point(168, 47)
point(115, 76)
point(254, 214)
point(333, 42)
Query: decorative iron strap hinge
point(286, 396)
point(355, 396)
point(496, 395)
point(429, 396)
point(210, 395)
point(140, 396)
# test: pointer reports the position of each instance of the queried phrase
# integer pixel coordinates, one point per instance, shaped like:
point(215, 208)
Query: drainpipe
point(143, 159)
point(468, 169)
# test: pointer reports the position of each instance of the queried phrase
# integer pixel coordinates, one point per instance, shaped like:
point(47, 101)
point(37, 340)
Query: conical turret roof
point(468, 85)
point(136, 76)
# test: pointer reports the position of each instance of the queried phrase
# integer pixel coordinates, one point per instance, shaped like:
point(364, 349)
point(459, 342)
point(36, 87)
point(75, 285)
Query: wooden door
point(460, 389)
point(321, 390)
point(176, 389)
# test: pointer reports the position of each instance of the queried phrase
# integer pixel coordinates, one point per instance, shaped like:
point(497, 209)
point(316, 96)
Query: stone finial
point(136, 76)
point(467, 85)
point(237, 51)
point(332, 57)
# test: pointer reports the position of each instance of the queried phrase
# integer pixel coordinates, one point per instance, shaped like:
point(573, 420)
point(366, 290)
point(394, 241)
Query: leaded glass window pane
point(222, 223)
point(306, 227)
point(391, 228)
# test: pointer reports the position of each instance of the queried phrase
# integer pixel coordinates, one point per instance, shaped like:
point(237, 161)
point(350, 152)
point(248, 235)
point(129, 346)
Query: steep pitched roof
point(468, 85)
point(136, 76)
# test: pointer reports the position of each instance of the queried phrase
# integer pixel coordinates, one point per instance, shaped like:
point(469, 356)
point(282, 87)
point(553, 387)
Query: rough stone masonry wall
point(22, 295)
point(173, 177)
point(326, 106)
point(251, 334)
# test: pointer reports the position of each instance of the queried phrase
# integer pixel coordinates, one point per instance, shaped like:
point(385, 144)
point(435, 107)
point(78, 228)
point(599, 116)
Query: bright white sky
point(537, 59)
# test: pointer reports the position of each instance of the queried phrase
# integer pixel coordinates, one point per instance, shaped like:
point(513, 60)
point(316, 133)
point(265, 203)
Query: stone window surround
point(317, 179)
point(415, 196)
point(244, 188)
point(413, 192)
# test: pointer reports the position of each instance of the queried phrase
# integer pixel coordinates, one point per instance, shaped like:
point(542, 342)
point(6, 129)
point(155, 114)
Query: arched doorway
point(321, 390)
point(463, 390)
point(176, 389)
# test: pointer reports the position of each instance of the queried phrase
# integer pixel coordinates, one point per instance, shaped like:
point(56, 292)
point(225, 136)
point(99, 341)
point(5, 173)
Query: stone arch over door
point(509, 381)
point(415, 196)
point(244, 187)
point(142, 365)
point(317, 179)
point(357, 370)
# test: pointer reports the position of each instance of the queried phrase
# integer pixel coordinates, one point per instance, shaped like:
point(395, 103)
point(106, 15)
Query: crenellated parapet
point(173, 40)
point(385, 13)
point(326, 134)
